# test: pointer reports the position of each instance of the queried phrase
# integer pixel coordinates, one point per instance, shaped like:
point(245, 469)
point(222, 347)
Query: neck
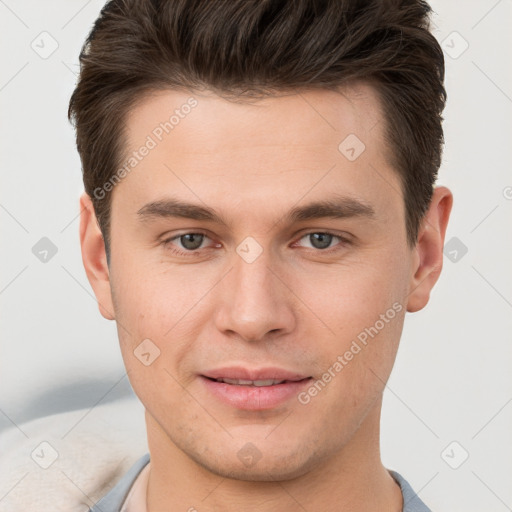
point(352, 479)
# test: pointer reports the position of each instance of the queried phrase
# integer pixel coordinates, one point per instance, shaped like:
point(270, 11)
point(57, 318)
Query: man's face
point(257, 287)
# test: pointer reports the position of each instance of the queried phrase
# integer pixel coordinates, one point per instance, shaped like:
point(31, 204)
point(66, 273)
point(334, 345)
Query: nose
point(255, 302)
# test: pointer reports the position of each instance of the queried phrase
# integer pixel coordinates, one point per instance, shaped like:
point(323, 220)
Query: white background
point(452, 379)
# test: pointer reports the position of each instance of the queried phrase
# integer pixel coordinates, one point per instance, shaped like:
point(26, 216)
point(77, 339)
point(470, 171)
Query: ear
point(94, 257)
point(428, 258)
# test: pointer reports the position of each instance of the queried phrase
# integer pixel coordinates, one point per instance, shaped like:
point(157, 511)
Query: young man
point(259, 214)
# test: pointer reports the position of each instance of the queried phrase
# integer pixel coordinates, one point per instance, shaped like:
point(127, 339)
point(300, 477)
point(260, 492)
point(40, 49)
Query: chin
point(253, 466)
point(260, 473)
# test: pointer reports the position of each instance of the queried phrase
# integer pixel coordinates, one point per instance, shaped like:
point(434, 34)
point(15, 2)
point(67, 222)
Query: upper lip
point(238, 372)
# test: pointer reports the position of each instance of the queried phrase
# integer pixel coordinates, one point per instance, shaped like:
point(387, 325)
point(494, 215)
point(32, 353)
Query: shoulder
point(412, 502)
point(113, 501)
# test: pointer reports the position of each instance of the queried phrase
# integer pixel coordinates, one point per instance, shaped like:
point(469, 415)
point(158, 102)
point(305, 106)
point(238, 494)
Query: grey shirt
point(113, 501)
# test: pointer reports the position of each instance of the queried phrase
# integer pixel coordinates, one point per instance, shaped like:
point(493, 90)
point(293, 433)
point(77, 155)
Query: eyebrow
point(338, 207)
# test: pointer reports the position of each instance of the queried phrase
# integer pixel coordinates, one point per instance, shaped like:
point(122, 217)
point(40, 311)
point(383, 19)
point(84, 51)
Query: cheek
point(159, 315)
point(151, 346)
point(152, 297)
point(349, 297)
point(360, 310)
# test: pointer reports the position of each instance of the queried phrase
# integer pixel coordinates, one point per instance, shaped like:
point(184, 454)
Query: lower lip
point(255, 398)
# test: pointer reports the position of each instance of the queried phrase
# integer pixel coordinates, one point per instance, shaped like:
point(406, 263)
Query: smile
point(253, 395)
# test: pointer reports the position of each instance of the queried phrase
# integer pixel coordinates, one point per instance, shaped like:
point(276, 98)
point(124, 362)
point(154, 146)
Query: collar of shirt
point(136, 499)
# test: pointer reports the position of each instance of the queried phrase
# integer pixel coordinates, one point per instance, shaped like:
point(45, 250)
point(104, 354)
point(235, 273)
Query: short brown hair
point(244, 48)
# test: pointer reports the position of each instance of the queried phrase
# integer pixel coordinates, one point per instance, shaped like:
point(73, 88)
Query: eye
point(191, 241)
point(323, 240)
point(186, 243)
point(189, 244)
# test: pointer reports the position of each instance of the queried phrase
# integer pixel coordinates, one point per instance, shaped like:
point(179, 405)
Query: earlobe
point(94, 257)
point(428, 257)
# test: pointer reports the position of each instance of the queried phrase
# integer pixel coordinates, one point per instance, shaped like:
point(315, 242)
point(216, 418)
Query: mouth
point(256, 383)
point(256, 390)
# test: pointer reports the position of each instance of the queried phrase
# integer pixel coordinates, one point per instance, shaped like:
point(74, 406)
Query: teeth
point(258, 383)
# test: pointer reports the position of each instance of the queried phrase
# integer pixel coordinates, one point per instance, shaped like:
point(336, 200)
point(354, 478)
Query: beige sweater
point(66, 462)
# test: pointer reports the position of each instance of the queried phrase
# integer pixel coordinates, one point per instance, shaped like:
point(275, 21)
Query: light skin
point(298, 306)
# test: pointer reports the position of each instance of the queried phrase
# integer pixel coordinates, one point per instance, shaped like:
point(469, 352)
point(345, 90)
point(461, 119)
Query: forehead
point(311, 117)
point(206, 147)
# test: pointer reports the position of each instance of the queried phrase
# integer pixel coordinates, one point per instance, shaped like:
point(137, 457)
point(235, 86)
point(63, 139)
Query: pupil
point(320, 240)
point(192, 240)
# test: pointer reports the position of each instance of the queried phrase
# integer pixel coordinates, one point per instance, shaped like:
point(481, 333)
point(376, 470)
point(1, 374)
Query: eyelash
point(191, 253)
